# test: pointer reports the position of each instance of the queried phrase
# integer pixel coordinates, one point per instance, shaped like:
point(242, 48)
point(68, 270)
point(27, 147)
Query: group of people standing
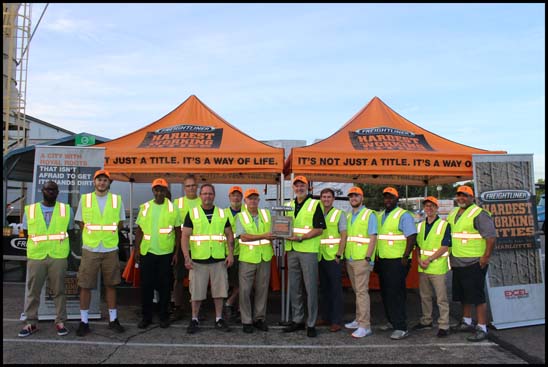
point(232, 248)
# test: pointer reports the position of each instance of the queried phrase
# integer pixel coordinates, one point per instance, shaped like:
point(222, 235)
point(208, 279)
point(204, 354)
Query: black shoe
point(442, 333)
point(261, 325)
point(311, 332)
point(228, 311)
point(248, 328)
point(478, 336)
point(293, 327)
point(420, 326)
point(143, 324)
point(164, 324)
point(115, 325)
point(463, 327)
point(83, 329)
point(192, 327)
point(177, 314)
point(222, 325)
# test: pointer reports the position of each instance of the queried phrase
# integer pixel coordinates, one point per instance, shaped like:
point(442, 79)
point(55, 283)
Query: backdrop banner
point(72, 168)
point(505, 187)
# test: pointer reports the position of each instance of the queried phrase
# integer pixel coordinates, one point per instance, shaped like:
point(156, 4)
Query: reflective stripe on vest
point(96, 227)
point(359, 239)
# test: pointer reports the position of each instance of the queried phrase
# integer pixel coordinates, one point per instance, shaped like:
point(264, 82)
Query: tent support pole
point(130, 215)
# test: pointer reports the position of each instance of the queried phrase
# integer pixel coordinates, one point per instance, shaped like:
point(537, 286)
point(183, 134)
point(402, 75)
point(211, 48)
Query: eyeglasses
point(191, 185)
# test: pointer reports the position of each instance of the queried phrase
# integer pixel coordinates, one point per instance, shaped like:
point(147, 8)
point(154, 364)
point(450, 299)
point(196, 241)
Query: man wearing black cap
point(156, 239)
point(302, 257)
point(473, 236)
point(100, 215)
point(395, 242)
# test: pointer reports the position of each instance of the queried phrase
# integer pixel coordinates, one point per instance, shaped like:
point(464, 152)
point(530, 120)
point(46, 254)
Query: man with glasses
point(205, 233)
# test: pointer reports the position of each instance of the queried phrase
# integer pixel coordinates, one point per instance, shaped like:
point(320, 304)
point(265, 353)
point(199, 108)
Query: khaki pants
point(37, 272)
point(253, 278)
point(430, 285)
point(359, 272)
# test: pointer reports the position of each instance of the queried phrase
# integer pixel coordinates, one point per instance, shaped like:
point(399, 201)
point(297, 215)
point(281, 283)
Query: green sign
point(84, 140)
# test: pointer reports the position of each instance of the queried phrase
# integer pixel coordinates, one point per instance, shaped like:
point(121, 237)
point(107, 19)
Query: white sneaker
point(352, 325)
point(361, 332)
point(399, 334)
point(386, 327)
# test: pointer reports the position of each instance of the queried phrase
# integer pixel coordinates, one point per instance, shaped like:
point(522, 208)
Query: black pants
point(392, 276)
point(156, 273)
point(331, 291)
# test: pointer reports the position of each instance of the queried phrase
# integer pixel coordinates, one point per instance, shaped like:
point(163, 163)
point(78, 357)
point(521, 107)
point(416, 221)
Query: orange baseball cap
point(300, 178)
point(391, 191)
point(467, 190)
point(250, 192)
point(160, 182)
point(101, 172)
point(234, 189)
point(431, 199)
point(355, 190)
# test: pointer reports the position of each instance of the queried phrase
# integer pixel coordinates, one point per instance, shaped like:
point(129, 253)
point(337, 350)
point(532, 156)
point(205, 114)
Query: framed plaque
point(282, 226)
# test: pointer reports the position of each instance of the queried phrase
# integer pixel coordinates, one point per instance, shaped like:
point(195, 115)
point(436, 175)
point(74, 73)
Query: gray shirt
point(484, 224)
point(102, 201)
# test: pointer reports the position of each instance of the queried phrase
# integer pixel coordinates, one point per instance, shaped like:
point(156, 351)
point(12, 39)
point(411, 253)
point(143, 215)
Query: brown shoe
point(321, 322)
point(335, 327)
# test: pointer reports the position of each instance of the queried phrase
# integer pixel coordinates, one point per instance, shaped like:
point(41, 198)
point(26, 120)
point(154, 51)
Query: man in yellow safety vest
point(100, 215)
point(433, 241)
point(45, 225)
point(473, 236)
point(156, 239)
point(253, 227)
point(205, 234)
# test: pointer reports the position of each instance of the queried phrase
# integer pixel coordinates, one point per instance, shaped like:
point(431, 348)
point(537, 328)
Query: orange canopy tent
point(192, 139)
point(379, 146)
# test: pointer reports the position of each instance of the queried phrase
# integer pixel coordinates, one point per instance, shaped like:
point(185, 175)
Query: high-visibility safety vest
point(166, 227)
point(52, 241)
point(357, 242)
point(260, 250)
point(184, 204)
point(207, 239)
point(465, 239)
point(431, 244)
point(331, 238)
point(100, 227)
point(391, 242)
point(232, 220)
point(302, 224)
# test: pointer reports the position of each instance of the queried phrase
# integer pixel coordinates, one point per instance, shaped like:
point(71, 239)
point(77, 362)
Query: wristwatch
point(338, 256)
point(368, 259)
point(300, 239)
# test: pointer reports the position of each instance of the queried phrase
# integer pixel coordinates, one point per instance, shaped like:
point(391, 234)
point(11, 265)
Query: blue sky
point(473, 73)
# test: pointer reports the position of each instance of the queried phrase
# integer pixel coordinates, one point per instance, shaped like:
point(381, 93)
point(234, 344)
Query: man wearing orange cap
point(473, 238)
point(100, 215)
point(253, 230)
point(156, 239)
point(395, 242)
point(302, 257)
point(433, 240)
point(235, 195)
point(359, 251)
point(183, 204)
